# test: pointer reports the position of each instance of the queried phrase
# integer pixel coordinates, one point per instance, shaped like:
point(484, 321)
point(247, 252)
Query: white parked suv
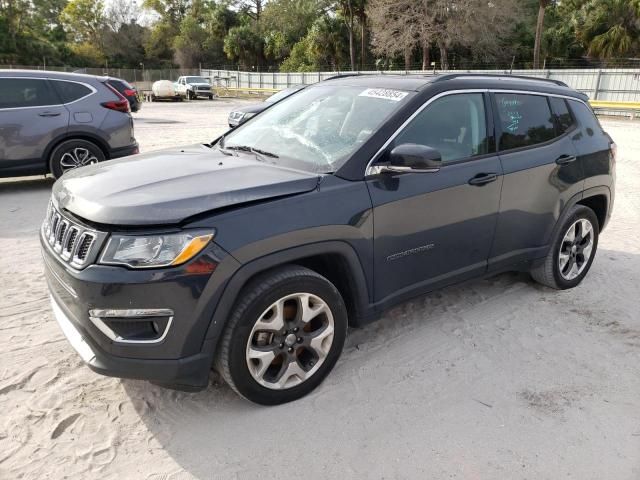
point(194, 87)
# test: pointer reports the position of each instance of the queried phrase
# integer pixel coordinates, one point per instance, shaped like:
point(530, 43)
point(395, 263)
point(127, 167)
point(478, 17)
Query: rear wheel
point(284, 336)
point(72, 154)
point(572, 251)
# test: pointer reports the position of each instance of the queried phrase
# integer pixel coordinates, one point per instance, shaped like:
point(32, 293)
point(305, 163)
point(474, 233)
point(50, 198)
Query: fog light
point(133, 325)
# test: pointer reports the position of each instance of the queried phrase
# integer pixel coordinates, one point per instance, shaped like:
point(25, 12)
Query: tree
point(542, 7)
point(399, 27)
point(159, 42)
point(124, 38)
point(245, 45)
point(252, 8)
point(327, 39)
point(347, 11)
point(324, 47)
point(361, 14)
point(609, 28)
point(286, 22)
point(85, 21)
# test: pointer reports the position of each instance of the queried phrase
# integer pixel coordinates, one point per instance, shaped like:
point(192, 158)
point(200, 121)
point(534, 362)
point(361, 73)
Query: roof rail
point(343, 75)
point(450, 76)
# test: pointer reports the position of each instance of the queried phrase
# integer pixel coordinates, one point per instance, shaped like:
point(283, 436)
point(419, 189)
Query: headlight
point(152, 251)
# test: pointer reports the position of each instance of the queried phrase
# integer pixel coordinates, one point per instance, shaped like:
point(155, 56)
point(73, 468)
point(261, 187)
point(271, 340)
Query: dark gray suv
point(51, 122)
point(254, 253)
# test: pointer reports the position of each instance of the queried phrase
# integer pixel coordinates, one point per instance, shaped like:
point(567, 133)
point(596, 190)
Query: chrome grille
point(74, 243)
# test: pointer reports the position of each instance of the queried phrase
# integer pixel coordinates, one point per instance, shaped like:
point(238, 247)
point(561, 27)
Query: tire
point(153, 98)
point(72, 154)
point(299, 355)
point(578, 253)
point(190, 95)
point(210, 97)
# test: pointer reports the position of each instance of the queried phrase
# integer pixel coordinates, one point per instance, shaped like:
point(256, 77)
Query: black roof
point(456, 80)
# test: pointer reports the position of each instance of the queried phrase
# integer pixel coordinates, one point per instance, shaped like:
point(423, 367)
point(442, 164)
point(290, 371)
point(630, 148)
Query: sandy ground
point(492, 379)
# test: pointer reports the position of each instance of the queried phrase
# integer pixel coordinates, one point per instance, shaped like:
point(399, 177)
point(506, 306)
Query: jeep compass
point(253, 254)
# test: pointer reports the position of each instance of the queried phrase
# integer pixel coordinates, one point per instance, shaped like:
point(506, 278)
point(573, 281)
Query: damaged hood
point(168, 186)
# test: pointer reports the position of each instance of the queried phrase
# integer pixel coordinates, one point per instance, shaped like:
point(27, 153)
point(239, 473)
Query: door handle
point(566, 159)
point(49, 114)
point(483, 179)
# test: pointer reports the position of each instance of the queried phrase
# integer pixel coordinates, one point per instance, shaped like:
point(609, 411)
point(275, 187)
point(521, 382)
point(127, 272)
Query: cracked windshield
point(318, 128)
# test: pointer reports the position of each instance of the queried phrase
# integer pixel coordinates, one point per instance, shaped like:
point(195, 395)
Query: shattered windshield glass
point(317, 129)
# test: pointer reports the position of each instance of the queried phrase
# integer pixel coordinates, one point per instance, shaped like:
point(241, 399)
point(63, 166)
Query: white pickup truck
point(192, 87)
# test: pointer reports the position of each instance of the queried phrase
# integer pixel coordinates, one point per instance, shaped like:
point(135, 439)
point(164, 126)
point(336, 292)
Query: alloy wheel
point(576, 249)
point(77, 157)
point(290, 341)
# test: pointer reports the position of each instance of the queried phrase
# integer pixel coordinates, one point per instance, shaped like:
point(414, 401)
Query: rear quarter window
point(587, 119)
point(118, 85)
point(70, 91)
point(525, 120)
point(561, 114)
point(26, 92)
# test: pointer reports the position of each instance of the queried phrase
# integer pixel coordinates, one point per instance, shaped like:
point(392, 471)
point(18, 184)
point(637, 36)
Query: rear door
point(541, 173)
point(31, 117)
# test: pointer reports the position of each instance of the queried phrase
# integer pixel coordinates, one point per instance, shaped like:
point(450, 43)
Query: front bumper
point(183, 358)
point(188, 373)
point(202, 93)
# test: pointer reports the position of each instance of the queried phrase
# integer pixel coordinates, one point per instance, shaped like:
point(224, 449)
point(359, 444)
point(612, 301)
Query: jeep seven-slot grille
point(70, 241)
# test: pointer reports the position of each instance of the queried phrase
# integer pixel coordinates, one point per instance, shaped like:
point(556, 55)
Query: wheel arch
point(100, 143)
point(335, 260)
point(599, 203)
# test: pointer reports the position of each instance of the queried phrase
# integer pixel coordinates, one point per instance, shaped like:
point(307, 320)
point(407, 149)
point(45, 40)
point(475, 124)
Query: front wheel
point(284, 336)
point(72, 154)
point(572, 251)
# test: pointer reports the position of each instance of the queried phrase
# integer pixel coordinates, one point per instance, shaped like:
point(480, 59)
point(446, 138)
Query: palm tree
point(542, 7)
point(611, 28)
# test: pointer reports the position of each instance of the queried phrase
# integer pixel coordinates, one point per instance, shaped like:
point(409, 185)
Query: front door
point(31, 116)
point(431, 229)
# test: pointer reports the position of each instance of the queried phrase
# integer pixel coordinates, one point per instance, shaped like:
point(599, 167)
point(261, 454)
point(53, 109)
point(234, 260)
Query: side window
point(70, 91)
point(26, 92)
point(524, 120)
point(455, 125)
point(562, 116)
point(586, 117)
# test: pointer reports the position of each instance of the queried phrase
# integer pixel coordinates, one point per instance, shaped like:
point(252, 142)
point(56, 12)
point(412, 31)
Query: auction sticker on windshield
point(384, 93)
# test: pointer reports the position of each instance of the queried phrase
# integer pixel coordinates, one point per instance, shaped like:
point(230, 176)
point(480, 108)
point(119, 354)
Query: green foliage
point(305, 35)
point(326, 47)
point(84, 21)
point(244, 44)
point(87, 54)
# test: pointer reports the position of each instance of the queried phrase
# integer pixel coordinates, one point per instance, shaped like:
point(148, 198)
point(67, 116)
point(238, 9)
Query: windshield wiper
point(265, 153)
point(245, 148)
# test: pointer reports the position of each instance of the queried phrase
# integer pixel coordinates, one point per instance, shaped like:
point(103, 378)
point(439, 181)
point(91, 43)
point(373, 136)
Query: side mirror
point(411, 157)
